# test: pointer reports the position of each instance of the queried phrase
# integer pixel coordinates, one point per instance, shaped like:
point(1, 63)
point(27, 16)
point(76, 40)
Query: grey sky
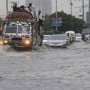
point(63, 5)
point(3, 5)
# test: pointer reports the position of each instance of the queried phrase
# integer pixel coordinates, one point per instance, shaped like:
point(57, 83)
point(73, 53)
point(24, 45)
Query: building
point(44, 5)
point(88, 14)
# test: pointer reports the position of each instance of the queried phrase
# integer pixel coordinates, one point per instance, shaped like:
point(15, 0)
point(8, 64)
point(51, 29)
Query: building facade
point(88, 14)
point(44, 5)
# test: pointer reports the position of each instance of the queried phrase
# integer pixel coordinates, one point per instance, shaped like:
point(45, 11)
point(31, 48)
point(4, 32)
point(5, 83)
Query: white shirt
point(40, 16)
point(33, 11)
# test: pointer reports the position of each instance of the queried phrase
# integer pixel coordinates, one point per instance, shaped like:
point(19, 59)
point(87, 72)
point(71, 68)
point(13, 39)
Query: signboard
point(57, 22)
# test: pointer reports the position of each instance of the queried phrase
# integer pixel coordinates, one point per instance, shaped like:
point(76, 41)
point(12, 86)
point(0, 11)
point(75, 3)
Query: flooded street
point(46, 68)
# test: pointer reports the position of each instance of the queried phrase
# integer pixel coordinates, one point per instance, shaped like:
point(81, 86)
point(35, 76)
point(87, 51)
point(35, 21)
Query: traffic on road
point(45, 68)
point(43, 51)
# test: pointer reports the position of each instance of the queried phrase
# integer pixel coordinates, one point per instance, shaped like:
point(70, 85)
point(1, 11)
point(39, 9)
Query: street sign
point(57, 23)
point(57, 19)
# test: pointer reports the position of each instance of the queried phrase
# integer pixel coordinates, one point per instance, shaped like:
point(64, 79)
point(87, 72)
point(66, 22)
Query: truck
point(21, 30)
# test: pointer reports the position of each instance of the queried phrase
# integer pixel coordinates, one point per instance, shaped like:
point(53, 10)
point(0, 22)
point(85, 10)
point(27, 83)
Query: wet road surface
point(46, 68)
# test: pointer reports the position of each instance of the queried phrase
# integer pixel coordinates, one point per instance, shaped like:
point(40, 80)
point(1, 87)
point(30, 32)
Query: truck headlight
point(27, 42)
point(5, 41)
point(1, 42)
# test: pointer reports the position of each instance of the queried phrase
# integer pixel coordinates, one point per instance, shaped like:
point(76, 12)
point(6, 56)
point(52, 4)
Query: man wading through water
point(40, 25)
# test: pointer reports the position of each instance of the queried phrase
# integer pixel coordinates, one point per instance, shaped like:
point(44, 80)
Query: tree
point(68, 23)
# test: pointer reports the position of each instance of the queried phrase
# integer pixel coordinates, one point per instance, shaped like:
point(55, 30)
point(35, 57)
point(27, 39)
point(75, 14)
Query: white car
point(78, 37)
point(45, 39)
point(57, 41)
point(87, 37)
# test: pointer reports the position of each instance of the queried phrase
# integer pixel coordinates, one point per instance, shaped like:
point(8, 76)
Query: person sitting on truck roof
point(32, 10)
point(22, 7)
point(15, 8)
point(18, 9)
point(40, 18)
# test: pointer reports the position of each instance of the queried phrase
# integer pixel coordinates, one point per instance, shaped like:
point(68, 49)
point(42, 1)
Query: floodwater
point(46, 68)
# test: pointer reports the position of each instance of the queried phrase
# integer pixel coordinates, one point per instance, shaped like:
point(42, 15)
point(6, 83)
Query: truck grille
point(17, 39)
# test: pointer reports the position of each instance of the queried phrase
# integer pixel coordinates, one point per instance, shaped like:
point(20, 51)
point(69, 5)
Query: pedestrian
point(40, 25)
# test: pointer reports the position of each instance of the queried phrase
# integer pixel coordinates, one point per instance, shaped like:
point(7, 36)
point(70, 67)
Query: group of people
point(30, 9)
point(39, 18)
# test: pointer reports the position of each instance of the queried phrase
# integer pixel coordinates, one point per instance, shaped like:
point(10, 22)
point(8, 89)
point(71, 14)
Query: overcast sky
point(63, 5)
point(3, 5)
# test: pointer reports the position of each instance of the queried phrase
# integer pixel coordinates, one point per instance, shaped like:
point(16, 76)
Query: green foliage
point(1, 32)
point(69, 23)
point(87, 25)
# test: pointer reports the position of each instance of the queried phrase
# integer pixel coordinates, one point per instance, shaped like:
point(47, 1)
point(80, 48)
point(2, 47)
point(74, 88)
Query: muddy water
point(46, 68)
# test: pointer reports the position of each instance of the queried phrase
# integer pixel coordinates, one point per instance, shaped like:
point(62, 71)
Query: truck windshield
point(23, 29)
point(13, 29)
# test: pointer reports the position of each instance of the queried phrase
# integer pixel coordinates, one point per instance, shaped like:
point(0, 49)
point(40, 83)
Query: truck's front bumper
point(22, 43)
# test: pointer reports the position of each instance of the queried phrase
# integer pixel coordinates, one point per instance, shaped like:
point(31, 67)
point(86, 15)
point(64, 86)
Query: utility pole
point(89, 5)
point(56, 14)
point(71, 13)
point(83, 9)
point(6, 6)
point(71, 6)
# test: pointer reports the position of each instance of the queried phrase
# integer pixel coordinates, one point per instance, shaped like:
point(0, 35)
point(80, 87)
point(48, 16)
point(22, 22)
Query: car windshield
point(58, 37)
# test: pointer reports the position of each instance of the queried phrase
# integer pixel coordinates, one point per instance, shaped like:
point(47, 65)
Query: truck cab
point(18, 34)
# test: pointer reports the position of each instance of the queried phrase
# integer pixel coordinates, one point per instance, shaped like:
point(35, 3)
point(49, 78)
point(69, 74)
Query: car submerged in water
point(45, 38)
point(86, 34)
point(59, 40)
point(78, 37)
